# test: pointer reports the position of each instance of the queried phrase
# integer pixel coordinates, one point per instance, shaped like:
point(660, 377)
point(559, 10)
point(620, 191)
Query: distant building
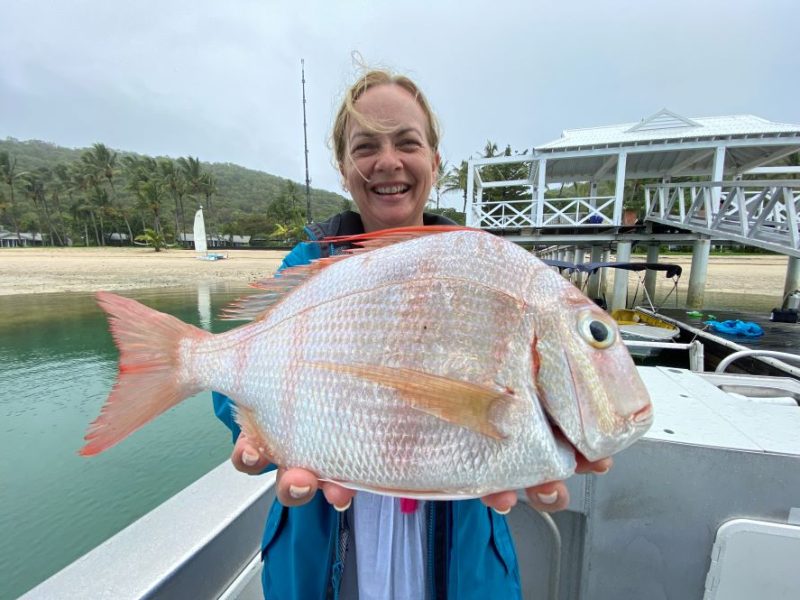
point(9, 239)
point(216, 241)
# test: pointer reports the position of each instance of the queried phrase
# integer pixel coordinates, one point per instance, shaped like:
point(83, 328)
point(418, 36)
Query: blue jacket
point(470, 550)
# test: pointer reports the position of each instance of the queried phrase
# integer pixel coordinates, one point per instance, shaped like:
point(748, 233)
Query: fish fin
point(246, 419)
point(459, 402)
point(274, 289)
point(148, 379)
point(387, 237)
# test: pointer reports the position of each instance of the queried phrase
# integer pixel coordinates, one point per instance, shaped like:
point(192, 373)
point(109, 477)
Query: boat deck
point(778, 337)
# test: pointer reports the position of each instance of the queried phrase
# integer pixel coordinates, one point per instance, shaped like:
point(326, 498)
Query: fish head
point(585, 377)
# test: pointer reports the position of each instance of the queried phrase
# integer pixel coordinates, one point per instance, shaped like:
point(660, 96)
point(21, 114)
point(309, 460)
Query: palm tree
point(176, 184)
point(152, 238)
point(438, 185)
point(103, 164)
point(35, 185)
point(456, 179)
point(8, 174)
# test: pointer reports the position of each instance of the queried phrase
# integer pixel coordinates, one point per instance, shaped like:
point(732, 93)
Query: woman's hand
point(548, 497)
point(295, 487)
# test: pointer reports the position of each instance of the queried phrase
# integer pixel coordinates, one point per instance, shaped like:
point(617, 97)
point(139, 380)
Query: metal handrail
point(724, 363)
point(695, 349)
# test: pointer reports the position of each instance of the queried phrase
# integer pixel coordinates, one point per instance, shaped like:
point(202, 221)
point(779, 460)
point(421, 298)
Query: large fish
point(439, 366)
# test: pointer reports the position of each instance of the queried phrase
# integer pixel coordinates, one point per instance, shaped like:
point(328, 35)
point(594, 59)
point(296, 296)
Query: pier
point(732, 196)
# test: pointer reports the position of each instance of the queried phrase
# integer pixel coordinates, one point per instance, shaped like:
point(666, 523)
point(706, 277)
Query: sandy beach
point(42, 270)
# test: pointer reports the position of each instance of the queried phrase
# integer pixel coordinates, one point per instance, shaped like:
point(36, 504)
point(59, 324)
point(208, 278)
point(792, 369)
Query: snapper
point(434, 362)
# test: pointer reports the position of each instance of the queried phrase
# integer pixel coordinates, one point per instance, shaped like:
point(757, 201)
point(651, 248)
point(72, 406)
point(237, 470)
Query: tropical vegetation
point(98, 196)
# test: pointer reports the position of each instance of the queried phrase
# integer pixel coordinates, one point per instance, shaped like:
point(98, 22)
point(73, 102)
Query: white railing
point(581, 211)
point(758, 213)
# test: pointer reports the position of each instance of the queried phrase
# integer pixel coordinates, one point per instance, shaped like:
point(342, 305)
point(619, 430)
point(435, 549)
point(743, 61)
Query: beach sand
point(40, 270)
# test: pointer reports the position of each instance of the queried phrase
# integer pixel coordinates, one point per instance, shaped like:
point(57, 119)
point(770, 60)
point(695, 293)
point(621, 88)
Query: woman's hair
point(349, 111)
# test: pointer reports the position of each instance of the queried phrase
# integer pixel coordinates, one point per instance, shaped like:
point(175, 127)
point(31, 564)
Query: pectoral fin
point(462, 403)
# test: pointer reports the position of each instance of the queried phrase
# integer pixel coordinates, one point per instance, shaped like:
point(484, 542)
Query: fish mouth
point(643, 416)
point(560, 436)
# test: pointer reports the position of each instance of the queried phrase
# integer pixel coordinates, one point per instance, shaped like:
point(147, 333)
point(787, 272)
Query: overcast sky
point(221, 79)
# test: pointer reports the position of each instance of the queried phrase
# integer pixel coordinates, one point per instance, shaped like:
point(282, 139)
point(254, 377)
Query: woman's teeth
point(391, 189)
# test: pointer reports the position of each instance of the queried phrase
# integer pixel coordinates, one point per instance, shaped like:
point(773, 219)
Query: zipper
point(430, 550)
point(343, 539)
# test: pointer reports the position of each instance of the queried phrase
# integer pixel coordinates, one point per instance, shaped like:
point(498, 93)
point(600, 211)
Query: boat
point(200, 239)
point(635, 323)
point(704, 506)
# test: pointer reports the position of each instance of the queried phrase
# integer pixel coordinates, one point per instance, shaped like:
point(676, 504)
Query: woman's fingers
point(549, 497)
point(501, 502)
point(246, 458)
point(295, 487)
point(338, 496)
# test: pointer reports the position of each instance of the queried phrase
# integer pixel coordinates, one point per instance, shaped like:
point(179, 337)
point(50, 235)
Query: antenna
point(309, 219)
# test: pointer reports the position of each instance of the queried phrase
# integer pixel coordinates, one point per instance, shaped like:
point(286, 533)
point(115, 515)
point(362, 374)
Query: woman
point(385, 141)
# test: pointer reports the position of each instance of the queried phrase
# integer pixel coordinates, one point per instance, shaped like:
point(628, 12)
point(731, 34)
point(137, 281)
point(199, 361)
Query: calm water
point(57, 364)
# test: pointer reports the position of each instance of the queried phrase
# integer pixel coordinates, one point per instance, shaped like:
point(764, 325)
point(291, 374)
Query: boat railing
point(694, 348)
point(204, 542)
point(725, 362)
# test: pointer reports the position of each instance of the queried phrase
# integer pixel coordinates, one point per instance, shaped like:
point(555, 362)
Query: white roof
point(668, 126)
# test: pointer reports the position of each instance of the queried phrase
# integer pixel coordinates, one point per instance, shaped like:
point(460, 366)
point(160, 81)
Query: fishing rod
point(309, 219)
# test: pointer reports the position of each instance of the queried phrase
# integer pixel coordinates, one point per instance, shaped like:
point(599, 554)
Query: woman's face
point(389, 174)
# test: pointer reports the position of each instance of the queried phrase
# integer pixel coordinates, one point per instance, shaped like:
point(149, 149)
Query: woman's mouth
point(391, 189)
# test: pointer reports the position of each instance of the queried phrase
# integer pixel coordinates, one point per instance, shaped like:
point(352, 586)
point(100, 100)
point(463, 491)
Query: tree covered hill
point(93, 192)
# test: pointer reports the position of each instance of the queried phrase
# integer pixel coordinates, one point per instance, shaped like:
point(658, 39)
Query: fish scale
point(430, 367)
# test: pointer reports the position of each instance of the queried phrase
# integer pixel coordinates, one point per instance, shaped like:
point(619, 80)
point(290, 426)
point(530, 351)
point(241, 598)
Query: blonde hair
point(348, 110)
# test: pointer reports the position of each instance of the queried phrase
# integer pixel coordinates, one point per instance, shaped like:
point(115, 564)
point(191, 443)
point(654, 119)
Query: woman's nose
point(388, 159)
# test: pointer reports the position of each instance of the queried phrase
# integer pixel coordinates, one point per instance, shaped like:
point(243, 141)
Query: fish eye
point(595, 331)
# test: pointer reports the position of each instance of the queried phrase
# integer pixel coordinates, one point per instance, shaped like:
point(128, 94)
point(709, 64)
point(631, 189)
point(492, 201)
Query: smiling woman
point(385, 142)
point(388, 154)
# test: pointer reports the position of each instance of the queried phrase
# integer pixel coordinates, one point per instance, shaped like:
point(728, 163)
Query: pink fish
point(428, 366)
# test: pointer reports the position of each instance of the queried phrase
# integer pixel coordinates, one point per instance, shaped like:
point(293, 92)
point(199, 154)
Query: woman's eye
point(363, 148)
point(410, 144)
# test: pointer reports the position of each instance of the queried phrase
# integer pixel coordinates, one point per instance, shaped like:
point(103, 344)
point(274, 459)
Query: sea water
point(57, 365)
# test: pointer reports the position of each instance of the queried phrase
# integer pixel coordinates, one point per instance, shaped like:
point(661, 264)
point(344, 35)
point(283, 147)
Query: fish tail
point(149, 380)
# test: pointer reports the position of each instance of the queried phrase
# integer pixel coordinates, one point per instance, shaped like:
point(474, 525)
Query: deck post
point(541, 187)
point(792, 278)
point(698, 274)
point(593, 287)
point(603, 291)
point(619, 189)
point(650, 275)
point(580, 255)
point(620, 293)
point(470, 192)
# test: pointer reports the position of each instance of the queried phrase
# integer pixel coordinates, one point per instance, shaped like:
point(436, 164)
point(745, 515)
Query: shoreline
point(51, 270)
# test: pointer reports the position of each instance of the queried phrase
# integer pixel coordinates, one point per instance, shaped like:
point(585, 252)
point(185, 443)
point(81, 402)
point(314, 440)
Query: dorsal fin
point(257, 306)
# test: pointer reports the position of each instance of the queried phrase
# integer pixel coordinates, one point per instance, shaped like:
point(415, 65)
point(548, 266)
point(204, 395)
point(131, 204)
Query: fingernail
point(343, 507)
point(503, 511)
point(602, 471)
point(249, 459)
point(550, 498)
point(297, 492)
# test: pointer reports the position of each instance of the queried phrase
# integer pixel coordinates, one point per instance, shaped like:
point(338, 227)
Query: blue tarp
point(743, 328)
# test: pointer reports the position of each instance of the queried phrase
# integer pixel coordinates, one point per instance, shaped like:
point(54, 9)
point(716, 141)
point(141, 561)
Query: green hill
point(64, 192)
